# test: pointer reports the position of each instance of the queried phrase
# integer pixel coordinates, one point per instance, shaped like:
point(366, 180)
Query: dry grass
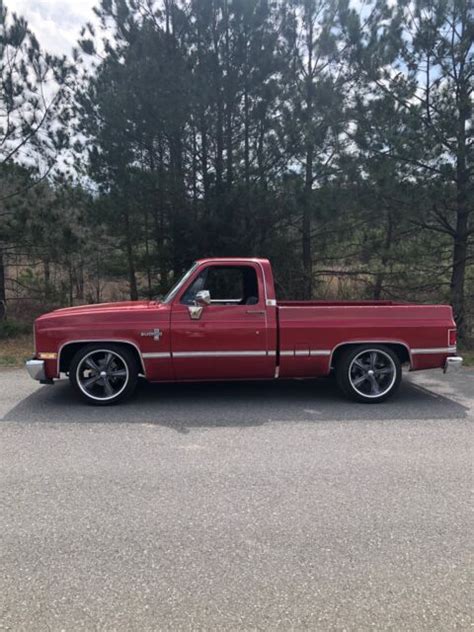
point(15, 351)
point(468, 356)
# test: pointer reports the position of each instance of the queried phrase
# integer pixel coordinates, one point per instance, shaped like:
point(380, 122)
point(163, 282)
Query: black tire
point(91, 362)
point(369, 373)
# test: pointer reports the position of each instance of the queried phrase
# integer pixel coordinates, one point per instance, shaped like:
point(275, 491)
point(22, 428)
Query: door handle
point(255, 311)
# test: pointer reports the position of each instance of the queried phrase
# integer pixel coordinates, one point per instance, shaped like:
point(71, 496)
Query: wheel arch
point(69, 349)
point(400, 348)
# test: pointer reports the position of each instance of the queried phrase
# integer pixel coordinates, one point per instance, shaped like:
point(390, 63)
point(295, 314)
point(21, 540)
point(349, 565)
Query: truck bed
point(311, 331)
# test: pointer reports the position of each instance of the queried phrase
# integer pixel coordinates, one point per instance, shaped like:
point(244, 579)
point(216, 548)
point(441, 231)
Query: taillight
point(452, 337)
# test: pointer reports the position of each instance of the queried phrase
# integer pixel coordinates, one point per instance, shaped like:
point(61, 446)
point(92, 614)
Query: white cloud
point(56, 23)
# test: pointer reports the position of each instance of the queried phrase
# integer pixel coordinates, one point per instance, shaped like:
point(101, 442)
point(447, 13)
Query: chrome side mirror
point(203, 298)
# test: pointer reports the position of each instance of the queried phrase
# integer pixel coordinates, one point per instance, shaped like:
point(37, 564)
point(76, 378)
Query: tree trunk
point(71, 283)
point(230, 157)
point(160, 221)
point(194, 173)
point(204, 159)
point(130, 261)
point(459, 263)
point(147, 255)
point(228, 106)
point(47, 277)
point(380, 277)
point(98, 269)
point(3, 294)
point(219, 117)
point(308, 184)
point(80, 281)
point(202, 122)
point(247, 218)
point(306, 228)
point(462, 212)
point(178, 202)
point(219, 142)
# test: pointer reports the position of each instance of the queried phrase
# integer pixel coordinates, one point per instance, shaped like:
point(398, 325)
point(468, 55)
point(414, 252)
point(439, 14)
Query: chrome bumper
point(36, 369)
point(452, 364)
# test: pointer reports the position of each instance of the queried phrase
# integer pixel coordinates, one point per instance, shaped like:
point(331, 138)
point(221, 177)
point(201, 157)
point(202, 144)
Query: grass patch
point(468, 356)
point(15, 351)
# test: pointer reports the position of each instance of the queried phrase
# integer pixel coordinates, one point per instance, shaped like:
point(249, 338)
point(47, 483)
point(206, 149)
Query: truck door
point(227, 338)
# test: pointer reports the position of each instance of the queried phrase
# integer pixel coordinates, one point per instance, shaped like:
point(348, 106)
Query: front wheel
point(104, 374)
point(369, 373)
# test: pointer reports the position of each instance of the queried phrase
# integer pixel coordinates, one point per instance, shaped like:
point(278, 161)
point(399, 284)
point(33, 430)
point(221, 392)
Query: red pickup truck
point(222, 321)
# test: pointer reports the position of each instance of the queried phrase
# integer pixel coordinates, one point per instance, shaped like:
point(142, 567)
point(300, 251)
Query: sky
point(56, 23)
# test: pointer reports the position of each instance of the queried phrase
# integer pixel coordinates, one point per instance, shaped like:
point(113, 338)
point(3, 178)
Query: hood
point(97, 308)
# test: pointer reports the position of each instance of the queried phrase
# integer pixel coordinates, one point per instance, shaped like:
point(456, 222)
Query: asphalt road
point(238, 506)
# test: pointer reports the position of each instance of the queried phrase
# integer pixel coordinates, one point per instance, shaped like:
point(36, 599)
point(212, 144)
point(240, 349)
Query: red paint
point(298, 337)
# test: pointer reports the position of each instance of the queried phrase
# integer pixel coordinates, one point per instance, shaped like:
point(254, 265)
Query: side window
point(227, 285)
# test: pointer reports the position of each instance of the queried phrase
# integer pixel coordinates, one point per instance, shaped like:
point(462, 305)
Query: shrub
point(13, 328)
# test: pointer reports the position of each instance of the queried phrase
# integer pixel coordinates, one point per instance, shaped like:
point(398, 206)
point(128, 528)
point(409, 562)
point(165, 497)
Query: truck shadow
point(183, 406)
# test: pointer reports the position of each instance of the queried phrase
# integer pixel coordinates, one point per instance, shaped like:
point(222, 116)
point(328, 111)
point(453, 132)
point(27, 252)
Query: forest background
point(333, 137)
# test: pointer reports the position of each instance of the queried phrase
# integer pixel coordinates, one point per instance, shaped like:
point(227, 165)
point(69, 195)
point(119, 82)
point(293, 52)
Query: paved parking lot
point(240, 506)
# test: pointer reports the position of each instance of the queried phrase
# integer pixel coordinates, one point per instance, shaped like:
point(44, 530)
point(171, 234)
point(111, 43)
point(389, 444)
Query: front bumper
point(452, 364)
point(36, 370)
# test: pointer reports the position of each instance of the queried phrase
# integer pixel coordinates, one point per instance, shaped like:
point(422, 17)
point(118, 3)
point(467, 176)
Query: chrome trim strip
point(434, 350)
point(371, 342)
point(99, 341)
point(217, 354)
point(226, 300)
point(304, 353)
point(208, 354)
point(348, 306)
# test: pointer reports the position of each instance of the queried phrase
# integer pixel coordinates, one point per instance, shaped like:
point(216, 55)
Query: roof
point(232, 260)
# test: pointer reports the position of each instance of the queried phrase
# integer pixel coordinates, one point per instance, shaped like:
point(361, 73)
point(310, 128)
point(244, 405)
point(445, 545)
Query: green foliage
point(13, 329)
point(335, 139)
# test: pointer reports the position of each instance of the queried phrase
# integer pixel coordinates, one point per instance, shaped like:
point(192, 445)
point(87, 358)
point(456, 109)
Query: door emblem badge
point(154, 333)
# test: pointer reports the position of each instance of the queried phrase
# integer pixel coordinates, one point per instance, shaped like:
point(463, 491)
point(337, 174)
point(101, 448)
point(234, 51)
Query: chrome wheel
point(102, 374)
point(372, 373)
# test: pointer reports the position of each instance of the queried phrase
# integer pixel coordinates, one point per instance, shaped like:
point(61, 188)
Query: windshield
point(175, 289)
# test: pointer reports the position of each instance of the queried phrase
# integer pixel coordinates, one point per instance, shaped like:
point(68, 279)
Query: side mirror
point(203, 298)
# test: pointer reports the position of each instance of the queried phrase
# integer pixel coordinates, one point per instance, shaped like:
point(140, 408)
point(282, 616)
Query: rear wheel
point(369, 373)
point(104, 374)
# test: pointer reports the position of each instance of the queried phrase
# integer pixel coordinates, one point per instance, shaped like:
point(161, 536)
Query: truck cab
point(223, 321)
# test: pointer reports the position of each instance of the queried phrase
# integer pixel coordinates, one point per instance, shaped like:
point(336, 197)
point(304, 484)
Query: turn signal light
point(452, 337)
point(47, 356)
